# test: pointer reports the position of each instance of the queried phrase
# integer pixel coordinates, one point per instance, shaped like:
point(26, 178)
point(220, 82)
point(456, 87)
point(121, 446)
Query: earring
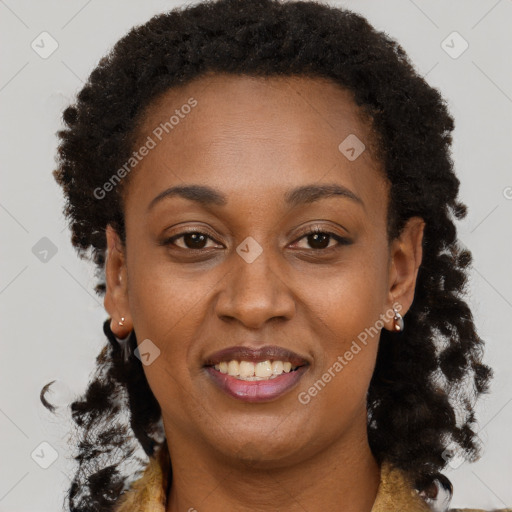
point(399, 321)
point(122, 321)
point(119, 344)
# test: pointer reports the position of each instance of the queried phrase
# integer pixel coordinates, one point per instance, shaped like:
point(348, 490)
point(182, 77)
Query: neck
point(343, 476)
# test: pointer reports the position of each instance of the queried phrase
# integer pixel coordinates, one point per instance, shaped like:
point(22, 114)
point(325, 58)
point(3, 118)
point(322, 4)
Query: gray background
point(51, 318)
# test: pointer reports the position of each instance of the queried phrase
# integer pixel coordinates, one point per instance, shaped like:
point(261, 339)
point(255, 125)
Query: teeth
point(263, 369)
point(246, 370)
point(233, 368)
point(277, 367)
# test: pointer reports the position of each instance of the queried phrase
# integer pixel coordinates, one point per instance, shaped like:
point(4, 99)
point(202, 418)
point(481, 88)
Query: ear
point(406, 253)
point(116, 295)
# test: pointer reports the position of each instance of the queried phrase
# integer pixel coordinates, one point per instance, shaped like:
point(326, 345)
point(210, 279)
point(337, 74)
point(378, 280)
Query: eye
point(319, 239)
point(192, 240)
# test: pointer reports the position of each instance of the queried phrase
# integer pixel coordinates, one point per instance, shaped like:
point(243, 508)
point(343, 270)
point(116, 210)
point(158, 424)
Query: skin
point(253, 139)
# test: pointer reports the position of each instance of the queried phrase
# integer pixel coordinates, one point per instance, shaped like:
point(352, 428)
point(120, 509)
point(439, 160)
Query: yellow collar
point(148, 493)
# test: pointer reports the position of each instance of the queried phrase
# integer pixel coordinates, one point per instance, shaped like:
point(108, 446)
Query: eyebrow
point(306, 194)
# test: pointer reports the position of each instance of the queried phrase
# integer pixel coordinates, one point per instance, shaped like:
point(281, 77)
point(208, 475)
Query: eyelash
point(315, 230)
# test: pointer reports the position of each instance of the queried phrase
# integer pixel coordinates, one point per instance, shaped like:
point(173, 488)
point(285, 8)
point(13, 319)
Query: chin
point(262, 449)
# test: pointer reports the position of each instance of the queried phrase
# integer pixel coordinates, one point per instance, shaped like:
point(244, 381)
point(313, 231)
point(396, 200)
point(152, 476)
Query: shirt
point(394, 494)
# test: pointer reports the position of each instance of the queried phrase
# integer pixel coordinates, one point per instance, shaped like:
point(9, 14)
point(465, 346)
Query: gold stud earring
point(122, 321)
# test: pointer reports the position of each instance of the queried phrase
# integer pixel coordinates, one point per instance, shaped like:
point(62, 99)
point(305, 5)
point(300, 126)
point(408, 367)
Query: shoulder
point(149, 492)
point(397, 493)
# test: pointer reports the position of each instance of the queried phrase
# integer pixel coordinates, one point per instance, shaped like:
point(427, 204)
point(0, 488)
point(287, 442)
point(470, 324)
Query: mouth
point(249, 371)
point(256, 375)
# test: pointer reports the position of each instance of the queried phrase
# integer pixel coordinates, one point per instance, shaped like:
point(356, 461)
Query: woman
point(267, 191)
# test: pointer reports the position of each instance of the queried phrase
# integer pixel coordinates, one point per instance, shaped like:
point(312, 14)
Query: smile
point(255, 388)
point(249, 371)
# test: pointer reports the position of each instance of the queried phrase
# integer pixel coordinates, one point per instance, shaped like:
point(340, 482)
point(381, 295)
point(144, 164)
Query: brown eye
point(319, 240)
point(192, 240)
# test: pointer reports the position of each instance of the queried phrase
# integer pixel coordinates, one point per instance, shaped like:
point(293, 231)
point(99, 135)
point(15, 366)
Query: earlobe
point(405, 260)
point(116, 295)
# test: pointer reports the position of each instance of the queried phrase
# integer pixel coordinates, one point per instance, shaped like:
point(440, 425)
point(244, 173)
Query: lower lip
point(256, 390)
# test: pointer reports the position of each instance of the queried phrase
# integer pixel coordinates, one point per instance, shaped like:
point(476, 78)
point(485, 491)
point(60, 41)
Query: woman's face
point(251, 276)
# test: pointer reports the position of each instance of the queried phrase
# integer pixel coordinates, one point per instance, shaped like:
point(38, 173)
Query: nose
point(254, 293)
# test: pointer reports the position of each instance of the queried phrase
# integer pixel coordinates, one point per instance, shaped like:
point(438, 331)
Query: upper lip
point(255, 355)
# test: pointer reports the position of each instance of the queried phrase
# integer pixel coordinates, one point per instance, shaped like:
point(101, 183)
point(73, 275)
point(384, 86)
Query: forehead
point(313, 102)
point(255, 133)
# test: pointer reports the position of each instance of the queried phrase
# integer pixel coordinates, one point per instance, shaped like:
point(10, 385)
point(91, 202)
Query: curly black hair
point(426, 380)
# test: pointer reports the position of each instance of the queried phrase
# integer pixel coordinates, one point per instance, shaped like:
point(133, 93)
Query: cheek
point(347, 312)
point(162, 299)
point(162, 308)
point(335, 394)
point(166, 311)
point(348, 300)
